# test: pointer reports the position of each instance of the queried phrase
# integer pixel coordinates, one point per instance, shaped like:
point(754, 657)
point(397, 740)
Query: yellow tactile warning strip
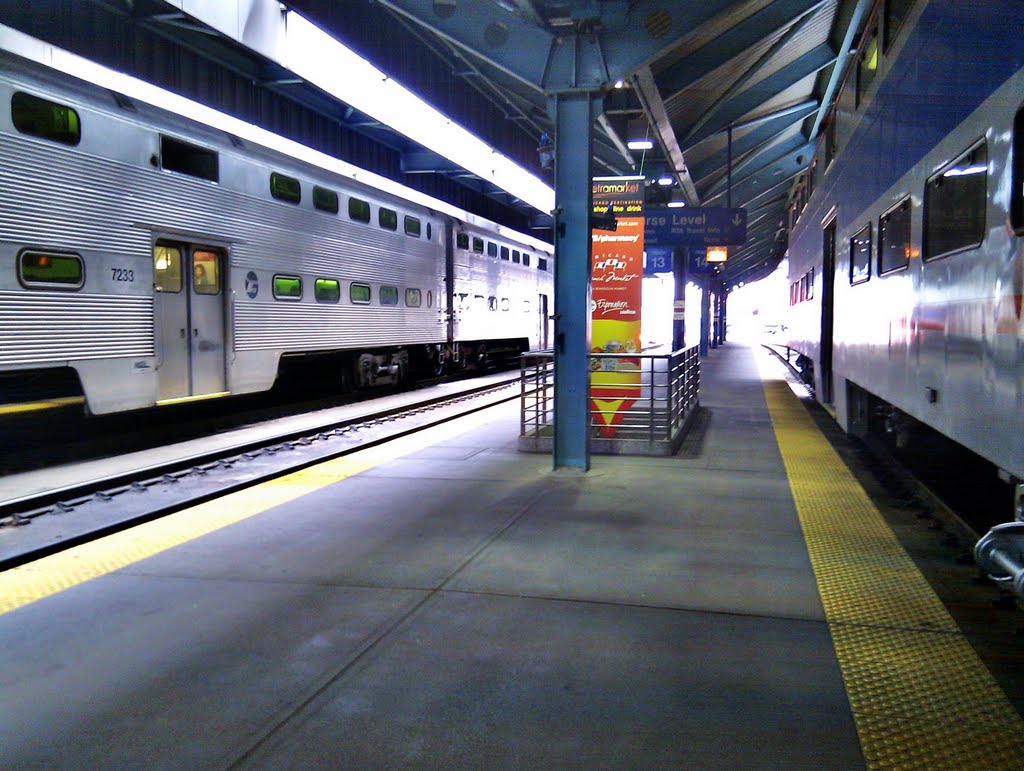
point(21, 585)
point(920, 696)
point(48, 404)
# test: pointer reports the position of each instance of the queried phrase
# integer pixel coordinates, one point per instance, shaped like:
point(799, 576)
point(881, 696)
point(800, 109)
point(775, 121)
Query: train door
point(828, 276)
point(189, 318)
point(543, 324)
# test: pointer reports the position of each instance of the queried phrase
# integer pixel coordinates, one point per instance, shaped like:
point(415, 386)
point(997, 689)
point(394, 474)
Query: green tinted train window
point(358, 210)
point(42, 118)
point(325, 200)
point(413, 298)
point(387, 218)
point(327, 290)
point(287, 287)
point(167, 268)
point(412, 227)
point(389, 295)
point(478, 245)
point(66, 271)
point(462, 241)
point(359, 294)
point(285, 188)
point(492, 249)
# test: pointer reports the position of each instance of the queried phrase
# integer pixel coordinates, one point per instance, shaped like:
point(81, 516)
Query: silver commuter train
point(906, 255)
point(162, 258)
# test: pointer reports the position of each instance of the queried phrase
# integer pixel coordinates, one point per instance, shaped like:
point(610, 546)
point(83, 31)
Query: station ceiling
point(693, 76)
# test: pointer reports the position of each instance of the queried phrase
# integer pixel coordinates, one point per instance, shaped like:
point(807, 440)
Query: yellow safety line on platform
point(31, 582)
point(47, 404)
point(920, 696)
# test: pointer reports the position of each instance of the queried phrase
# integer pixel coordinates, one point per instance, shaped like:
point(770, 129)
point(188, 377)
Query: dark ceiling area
point(731, 95)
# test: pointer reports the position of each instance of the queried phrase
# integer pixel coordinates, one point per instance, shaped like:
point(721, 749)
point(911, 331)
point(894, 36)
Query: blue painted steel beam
point(729, 112)
point(745, 142)
point(751, 31)
point(616, 46)
point(856, 16)
point(755, 184)
point(575, 114)
point(790, 156)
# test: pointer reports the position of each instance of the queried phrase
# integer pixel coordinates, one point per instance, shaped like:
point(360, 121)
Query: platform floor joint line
point(920, 695)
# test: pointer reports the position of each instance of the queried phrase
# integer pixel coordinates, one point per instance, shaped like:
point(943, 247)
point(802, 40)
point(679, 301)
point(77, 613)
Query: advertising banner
point(616, 292)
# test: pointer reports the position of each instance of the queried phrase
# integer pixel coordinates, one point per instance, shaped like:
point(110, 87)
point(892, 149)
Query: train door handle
point(182, 330)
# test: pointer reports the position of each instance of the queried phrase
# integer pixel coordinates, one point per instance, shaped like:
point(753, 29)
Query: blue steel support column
point(705, 315)
point(575, 114)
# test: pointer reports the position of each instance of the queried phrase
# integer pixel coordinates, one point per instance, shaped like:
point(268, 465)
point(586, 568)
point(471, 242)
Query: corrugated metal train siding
point(52, 327)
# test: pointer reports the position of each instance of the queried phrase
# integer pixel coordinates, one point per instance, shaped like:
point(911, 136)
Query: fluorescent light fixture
point(619, 83)
point(311, 53)
point(640, 144)
point(665, 181)
point(71, 64)
point(676, 204)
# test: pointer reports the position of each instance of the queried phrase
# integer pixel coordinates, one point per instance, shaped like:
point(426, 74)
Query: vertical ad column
point(616, 292)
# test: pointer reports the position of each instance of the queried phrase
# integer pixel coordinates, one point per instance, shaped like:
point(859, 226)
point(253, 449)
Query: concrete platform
point(460, 606)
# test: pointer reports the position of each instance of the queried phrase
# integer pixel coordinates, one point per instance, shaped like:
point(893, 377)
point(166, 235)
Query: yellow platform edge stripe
point(45, 404)
point(919, 694)
point(40, 579)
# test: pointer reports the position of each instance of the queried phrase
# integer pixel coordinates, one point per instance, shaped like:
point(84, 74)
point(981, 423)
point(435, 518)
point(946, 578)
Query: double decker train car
point(906, 251)
point(153, 250)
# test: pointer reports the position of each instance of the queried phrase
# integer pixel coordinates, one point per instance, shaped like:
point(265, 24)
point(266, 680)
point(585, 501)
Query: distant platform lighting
point(640, 144)
point(665, 180)
point(676, 204)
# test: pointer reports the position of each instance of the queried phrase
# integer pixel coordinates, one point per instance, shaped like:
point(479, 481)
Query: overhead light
point(676, 204)
point(666, 180)
point(620, 83)
point(640, 144)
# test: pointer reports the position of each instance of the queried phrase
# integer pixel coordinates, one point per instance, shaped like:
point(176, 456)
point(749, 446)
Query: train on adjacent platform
point(154, 251)
point(906, 253)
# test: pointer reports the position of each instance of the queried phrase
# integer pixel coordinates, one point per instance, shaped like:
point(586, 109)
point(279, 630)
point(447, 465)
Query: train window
point(430, 232)
point(413, 298)
point(325, 200)
point(505, 304)
point(285, 188)
point(954, 205)
point(43, 118)
point(492, 249)
point(461, 241)
point(860, 256)
point(896, 12)
point(810, 283)
point(359, 294)
point(492, 303)
point(287, 288)
point(515, 256)
point(1017, 175)
point(58, 271)
point(894, 238)
point(526, 306)
point(187, 158)
point(504, 253)
point(526, 259)
point(478, 245)
point(867, 65)
point(387, 218)
point(412, 226)
point(479, 302)
point(831, 142)
point(389, 295)
point(205, 272)
point(327, 290)
point(430, 299)
point(542, 264)
point(166, 268)
point(358, 210)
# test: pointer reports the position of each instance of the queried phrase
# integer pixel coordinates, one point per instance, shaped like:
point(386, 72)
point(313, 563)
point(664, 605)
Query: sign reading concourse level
point(705, 226)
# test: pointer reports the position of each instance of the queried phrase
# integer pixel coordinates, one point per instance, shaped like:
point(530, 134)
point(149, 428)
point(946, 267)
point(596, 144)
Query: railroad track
point(62, 516)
